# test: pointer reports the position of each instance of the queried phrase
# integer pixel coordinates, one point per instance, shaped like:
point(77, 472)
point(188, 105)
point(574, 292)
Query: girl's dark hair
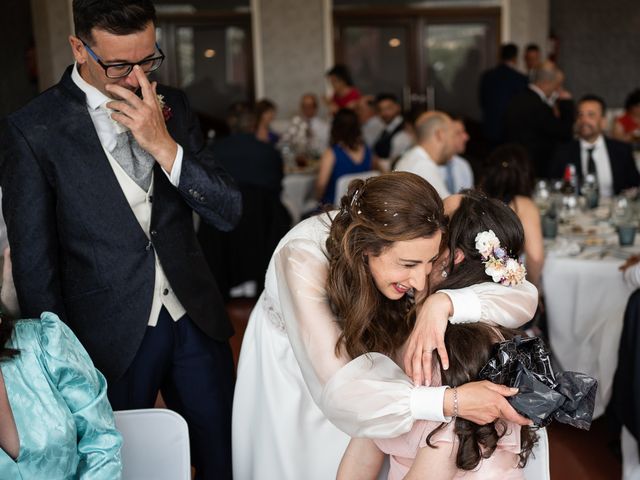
point(374, 214)
point(632, 100)
point(342, 72)
point(507, 173)
point(469, 345)
point(478, 213)
point(345, 129)
point(120, 17)
point(6, 330)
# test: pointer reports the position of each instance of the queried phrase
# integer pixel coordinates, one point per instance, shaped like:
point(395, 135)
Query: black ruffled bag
point(524, 363)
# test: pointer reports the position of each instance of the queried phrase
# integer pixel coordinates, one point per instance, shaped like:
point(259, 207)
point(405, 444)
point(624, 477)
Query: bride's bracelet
point(455, 404)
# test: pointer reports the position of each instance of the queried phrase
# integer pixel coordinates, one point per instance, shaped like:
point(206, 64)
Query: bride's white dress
point(291, 385)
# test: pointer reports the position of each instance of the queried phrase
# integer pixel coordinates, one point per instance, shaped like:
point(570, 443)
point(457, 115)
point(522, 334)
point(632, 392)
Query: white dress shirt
point(319, 134)
point(139, 200)
point(371, 130)
point(418, 161)
point(603, 165)
point(461, 172)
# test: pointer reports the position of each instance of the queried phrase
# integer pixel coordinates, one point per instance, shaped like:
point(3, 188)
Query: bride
point(329, 278)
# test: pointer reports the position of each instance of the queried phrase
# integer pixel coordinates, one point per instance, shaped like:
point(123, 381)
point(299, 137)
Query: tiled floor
point(574, 454)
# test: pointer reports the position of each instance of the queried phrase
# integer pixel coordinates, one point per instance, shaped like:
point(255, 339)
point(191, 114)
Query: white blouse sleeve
point(336, 383)
point(494, 303)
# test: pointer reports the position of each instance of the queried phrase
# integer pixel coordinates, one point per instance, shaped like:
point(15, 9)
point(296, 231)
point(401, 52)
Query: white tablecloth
point(585, 300)
point(297, 194)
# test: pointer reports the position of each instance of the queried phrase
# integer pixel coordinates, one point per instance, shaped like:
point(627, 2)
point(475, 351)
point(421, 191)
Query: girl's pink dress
point(502, 465)
point(402, 450)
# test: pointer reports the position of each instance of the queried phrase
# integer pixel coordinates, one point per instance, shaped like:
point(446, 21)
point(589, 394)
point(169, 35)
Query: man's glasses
point(119, 70)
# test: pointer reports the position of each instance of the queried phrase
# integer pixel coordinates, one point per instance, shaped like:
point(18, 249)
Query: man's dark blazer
point(250, 161)
point(76, 245)
point(531, 122)
point(623, 166)
point(497, 87)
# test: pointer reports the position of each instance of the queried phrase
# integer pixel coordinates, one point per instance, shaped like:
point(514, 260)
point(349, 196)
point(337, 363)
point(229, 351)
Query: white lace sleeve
point(334, 382)
point(494, 303)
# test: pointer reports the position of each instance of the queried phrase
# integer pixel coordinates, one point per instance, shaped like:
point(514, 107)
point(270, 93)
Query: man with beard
point(610, 161)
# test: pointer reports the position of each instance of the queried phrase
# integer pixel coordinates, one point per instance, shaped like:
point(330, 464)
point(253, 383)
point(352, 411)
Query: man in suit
point(610, 161)
point(100, 178)
point(393, 140)
point(532, 58)
point(497, 86)
point(540, 117)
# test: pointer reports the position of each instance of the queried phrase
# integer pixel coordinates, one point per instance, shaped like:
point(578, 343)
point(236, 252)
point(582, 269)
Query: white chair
point(630, 462)
point(538, 465)
point(342, 183)
point(155, 445)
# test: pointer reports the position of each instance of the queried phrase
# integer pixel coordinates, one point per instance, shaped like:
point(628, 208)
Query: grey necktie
point(134, 160)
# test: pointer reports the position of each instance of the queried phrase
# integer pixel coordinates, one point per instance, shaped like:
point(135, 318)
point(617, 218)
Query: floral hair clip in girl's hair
point(498, 265)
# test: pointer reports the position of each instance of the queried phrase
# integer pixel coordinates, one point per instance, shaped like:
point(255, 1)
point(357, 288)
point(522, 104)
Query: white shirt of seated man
point(435, 147)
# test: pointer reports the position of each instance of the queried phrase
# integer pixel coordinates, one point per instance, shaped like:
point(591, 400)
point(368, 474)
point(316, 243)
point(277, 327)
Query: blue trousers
point(195, 375)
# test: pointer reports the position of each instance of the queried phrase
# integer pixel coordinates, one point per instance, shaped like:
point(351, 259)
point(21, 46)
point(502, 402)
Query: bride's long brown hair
point(374, 214)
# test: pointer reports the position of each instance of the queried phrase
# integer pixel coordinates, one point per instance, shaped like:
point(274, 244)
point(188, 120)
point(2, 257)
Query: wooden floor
point(574, 454)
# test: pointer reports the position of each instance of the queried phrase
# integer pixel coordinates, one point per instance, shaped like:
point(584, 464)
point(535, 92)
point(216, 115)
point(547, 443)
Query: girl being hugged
point(484, 239)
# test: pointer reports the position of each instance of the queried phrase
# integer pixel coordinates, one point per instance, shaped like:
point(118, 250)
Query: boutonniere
point(167, 113)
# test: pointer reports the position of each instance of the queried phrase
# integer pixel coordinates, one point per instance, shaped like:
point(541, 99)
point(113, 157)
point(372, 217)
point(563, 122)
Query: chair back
point(537, 467)
point(155, 445)
point(342, 183)
point(630, 461)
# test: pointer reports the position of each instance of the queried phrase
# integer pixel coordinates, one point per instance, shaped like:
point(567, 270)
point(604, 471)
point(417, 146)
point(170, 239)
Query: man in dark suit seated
point(100, 178)
point(497, 86)
point(609, 160)
point(243, 254)
point(541, 117)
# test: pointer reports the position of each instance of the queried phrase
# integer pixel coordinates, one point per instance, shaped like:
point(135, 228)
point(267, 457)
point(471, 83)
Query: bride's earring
point(444, 273)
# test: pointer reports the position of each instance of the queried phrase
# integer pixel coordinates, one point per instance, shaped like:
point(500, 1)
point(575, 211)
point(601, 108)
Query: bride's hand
point(483, 402)
point(427, 336)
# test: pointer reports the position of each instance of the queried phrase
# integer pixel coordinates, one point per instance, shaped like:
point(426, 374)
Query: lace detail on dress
point(274, 315)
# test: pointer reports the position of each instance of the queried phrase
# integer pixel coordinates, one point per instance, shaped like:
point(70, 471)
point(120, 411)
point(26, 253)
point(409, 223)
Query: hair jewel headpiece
point(354, 199)
point(498, 265)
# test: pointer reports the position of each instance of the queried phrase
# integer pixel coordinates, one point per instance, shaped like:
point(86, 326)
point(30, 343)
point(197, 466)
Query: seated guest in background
point(627, 127)
point(532, 59)
point(507, 176)
point(243, 254)
point(345, 94)
point(317, 128)
point(497, 86)
point(347, 154)
point(457, 172)
point(435, 147)
point(393, 141)
point(265, 114)
point(611, 161)
point(541, 117)
point(370, 123)
point(55, 419)
point(247, 159)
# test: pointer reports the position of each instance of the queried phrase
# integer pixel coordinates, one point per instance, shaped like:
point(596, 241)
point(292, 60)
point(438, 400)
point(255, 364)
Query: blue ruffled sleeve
point(84, 389)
